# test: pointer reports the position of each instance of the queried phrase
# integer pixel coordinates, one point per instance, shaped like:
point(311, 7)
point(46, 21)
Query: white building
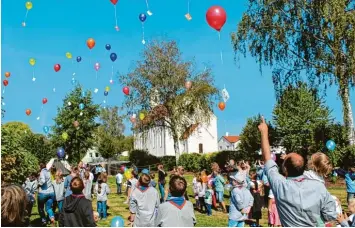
point(228, 142)
point(275, 150)
point(198, 138)
point(92, 156)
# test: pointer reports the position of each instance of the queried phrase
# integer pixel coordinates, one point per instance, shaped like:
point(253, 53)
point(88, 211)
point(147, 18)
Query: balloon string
point(112, 73)
point(25, 18)
point(188, 6)
point(146, 2)
point(3, 91)
point(143, 30)
point(219, 37)
point(33, 73)
point(96, 75)
point(115, 15)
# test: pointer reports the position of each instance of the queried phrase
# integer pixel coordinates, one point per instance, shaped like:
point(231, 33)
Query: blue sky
point(56, 27)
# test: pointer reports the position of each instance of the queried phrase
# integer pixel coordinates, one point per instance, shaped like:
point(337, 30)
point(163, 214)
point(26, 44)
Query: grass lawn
point(118, 208)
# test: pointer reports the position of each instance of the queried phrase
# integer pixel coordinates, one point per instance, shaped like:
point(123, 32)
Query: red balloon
point(28, 112)
point(57, 67)
point(216, 17)
point(90, 43)
point(221, 105)
point(114, 1)
point(44, 100)
point(126, 90)
point(5, 82)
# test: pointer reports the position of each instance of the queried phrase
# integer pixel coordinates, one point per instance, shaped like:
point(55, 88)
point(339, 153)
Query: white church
point(198, 138)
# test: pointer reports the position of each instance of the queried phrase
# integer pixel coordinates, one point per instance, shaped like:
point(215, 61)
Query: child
point(131, 184)
point(346, 221)
point(255, 189)
point(87, 185)
point(96, 216)
point(119, 178)
point(195, 190)
point(201, 189)
point(30, 187)
point(152, 181)
point(208, 199)
point(240, 202)
point(59, 190)
point(13, 206)
point(177, 211)
point(274, 219)
point(102, 190)
point(144, 203)
point(219, 187)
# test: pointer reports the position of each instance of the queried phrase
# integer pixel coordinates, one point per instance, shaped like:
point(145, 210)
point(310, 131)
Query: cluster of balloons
point(6, 82)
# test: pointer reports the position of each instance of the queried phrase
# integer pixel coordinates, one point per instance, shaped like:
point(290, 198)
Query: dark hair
point(144, 180)
point(34, 174)
point(177, 186)
point(77, 185)
point(294, 167)
point(152, 176)
point(42, 166)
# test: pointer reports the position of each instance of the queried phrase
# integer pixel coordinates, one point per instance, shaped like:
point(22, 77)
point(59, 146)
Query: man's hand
point(283, 156)
point(263, 128)
point(342, 217)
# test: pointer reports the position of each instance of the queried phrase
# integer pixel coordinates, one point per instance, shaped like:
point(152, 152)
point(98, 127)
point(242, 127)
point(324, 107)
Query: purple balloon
point(108, 47)
point(142, 17)
point(60, 152)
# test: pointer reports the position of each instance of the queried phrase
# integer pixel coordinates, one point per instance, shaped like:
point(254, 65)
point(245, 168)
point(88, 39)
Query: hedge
point(142, 158)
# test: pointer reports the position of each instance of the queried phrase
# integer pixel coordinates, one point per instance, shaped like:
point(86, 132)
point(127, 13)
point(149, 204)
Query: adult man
point(119, 178)
point(300, 201)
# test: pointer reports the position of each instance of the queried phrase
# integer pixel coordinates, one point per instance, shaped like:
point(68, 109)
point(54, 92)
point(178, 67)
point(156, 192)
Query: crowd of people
point(294, 195)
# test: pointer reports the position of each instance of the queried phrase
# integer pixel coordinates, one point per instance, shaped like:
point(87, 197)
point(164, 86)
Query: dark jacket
point(77, 212)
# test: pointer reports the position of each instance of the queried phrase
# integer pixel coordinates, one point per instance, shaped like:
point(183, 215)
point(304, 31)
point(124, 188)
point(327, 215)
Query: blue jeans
point(209, 209)
point(119, 189)
point(102, 209)
point(220, 197)
point(162, 191)
point(232, 223)
point(60, 205)
point(46, 200)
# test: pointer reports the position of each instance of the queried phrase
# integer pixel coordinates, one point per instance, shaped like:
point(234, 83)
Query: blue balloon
point(113, 57)
point(145, 171)
point(330, 145)
point(108, 47)
point(83, 93)
point(142, 17)
point(60, 152)
point(105, 93)
point(117, 222)
point(81, 106)
point(46, 129)
point(73, 81)
point(78, 59)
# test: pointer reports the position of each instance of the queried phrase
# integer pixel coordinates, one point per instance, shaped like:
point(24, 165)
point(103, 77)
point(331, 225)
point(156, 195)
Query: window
point(227, 147)
point(200, 148)
point(90, 155)
point(97, 155)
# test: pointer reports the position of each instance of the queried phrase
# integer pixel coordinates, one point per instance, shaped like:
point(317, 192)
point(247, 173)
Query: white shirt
point(91, 177)
point(119, 178)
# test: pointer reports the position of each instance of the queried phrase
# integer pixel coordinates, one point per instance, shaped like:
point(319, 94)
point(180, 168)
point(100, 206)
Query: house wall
point(223, 144)
point(92, 155)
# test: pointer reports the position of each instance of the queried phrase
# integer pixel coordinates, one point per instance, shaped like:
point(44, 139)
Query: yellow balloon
point(141, 116)
point(32, 61)
point(68, 55)
point(65, 136)
point(29, 5)
point(107, 89)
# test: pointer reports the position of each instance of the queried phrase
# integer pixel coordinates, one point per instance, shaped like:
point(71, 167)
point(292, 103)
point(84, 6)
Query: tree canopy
point(296, 36)
point(157, 85)
point(80, 138)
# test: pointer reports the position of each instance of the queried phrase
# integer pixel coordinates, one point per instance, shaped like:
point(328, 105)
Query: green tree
point(16, 162)
point(157, 87)
point(126, 144)
point(298, 116)
point(39, 146)
point(80, 138)
point(312, 37)
point(250, 140)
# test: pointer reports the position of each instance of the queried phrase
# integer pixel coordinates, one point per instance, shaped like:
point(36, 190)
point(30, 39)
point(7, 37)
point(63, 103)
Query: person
point(87, 186)
point(176, 211)
point(195, 189)
point(13, 206)
point(180, 171)
point(96, 217)
point(300, 201)
point(241, 202)
point(53, 171)
point(102, 190)
point(346, 221)
point(152, 181)
point(74, 173)
point(219, 187)
point(77, 210)
point(255, 190)
point(30, 186)
point(91, 177)
point(208, 199)
point(81, 170)
point(273, 218)
point(144, 203)
point(58, 185)
point(131, 184)
point(46, 195)
point(201, 191)
point(119, 178)
point(231, 169)
point(349, 181)
point(161, 181)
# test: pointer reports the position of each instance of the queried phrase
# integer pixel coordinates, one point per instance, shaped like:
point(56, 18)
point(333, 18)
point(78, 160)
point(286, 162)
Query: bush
point(191, 162)
point(142, 158)
point(168, 161)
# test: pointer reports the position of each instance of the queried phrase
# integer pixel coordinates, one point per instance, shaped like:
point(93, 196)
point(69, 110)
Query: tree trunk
point(176, 147)
point(109, 166)
point(347, 113)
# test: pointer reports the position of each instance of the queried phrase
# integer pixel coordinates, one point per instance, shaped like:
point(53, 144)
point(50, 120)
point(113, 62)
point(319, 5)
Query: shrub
point(142, 158)
point(168, 161)
point(191, 162)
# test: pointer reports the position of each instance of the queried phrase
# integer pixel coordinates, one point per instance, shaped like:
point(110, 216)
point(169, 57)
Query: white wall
point(92, 155)
point(224, 144)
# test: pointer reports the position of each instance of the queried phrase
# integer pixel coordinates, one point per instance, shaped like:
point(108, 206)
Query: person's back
point(144, 202)
point(77, 210)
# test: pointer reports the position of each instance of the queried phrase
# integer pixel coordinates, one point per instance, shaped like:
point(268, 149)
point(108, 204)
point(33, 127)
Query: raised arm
point(265, 145)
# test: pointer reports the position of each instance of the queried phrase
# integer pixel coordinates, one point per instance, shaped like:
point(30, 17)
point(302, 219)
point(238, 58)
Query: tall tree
point(299, 116)
point(157, 86)
point(39, 145)
point(110, 133)
point(295, 36)
point(80, 138)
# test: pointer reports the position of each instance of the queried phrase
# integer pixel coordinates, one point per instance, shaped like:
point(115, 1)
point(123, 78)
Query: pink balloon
point(97, 66)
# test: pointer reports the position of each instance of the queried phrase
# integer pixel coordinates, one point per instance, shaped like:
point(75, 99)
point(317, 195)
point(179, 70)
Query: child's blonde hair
point(320, 163)
point(59, 175)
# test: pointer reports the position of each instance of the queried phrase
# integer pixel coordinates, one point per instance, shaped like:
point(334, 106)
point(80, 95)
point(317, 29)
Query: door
point(200, 148)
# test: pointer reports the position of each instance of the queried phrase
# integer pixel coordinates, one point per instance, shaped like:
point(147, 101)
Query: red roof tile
point(232, 139)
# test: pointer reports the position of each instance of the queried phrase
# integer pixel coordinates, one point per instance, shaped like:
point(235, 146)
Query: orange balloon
point(221, 105)
point(7, 74)
point(28, 112)
point(91, 43)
